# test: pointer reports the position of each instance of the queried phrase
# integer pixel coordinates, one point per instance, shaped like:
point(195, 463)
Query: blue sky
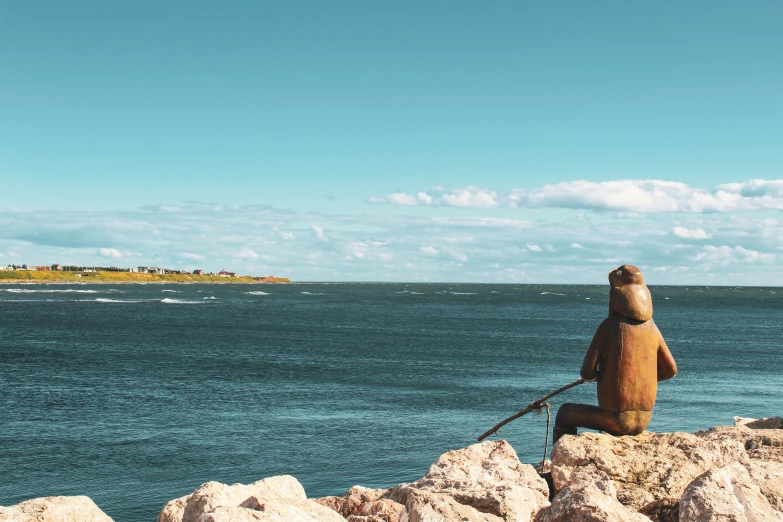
point(428, 141)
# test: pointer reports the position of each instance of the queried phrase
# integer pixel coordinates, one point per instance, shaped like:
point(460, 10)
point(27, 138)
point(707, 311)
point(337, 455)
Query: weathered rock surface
point(769, 477)
point(271, 499)
point(726, 494)
point(588, 499)
point(769, 423)
point(54, 509)
point(760, 444)
point(483, 482)
point(644, 468)
point(361, 504)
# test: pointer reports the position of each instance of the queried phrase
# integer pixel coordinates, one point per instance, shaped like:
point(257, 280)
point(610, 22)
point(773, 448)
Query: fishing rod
point(533, 406)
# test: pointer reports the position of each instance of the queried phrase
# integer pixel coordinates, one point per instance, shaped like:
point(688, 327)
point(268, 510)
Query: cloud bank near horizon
point(725, 236)
point(644, 196)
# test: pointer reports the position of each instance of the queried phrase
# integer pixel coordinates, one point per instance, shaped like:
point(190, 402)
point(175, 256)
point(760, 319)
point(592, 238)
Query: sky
point(503, 142)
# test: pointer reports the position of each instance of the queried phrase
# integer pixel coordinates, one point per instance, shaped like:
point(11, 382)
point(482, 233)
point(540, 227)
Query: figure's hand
point(592, 380)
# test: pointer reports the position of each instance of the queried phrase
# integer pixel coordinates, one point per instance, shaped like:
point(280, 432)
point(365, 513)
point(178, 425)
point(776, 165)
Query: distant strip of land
point(33, 276)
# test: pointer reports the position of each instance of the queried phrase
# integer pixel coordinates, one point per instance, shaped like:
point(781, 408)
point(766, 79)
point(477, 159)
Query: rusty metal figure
point(627, 357)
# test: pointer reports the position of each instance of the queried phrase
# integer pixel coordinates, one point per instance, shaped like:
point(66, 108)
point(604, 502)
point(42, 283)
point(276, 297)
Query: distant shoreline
point(29, 276)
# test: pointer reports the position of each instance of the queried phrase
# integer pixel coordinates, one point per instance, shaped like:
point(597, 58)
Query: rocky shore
point(727, 474)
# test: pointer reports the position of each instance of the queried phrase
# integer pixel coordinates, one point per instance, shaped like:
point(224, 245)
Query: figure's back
point(628, 365)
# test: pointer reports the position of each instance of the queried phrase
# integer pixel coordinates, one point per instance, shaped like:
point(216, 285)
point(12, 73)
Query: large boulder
point(271, 499)
point(769, 477)
point(483, 482)
point(426, 506)
point(645, 469)
point(760, 443)
point(768, 423)
point(588, 499)
point(726, 494)
point(360, 504)
point(54, 509)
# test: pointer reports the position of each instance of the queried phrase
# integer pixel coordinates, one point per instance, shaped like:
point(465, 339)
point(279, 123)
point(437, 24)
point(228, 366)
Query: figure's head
point(629, 296)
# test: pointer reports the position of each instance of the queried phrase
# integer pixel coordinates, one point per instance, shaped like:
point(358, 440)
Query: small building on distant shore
point(57, 268)
point(224, 273)
point(42, 268)
point(198, 271)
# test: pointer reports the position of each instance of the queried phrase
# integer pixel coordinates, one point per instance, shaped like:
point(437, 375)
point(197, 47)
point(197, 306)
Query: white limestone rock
point(271, 499)
point(488, 478)
point(54, 509)
point(726, 494)
point(645, 468)
point(589, 498)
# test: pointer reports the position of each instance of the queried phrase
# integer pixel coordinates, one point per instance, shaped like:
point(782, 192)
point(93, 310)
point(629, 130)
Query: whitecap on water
point(311, 293)
point(210, 297)
point(107, 300)
point(173, 291)
point(550, 293)
point(179, 301)
point(462, 293)
point(257, 292)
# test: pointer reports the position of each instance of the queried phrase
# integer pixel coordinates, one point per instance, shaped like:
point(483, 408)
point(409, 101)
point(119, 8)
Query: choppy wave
point(462, 293)
point(410, 292)
point(311, 293)
point(209, 298)
point(550, 293)
point(107, 300)
point(179, 301)
point(257, 292)
point(173, 291)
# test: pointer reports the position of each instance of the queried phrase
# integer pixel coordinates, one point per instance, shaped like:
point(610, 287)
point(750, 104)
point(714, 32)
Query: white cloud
point(686, 233)
point(246, 253)
point(403, 199)
point(396, 247)
point(470, 197)
point(725, 255)
point(424, 198)
point(109, 252)
point(195, 257)
point(630, 198)
point(576, 245)
point(319, 231)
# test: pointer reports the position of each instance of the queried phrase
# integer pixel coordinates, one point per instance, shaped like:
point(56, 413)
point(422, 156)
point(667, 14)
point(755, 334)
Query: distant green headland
point(116, 275)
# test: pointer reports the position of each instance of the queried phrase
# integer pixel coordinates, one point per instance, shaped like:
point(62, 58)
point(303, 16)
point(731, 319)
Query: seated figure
point(627, 357)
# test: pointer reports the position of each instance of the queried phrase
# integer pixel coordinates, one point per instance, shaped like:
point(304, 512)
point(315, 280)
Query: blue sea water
point(137, 394)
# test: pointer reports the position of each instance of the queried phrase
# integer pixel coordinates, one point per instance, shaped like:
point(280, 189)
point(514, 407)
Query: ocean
point(136, 394)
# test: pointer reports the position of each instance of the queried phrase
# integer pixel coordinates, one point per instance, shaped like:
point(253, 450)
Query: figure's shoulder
point(610, 323)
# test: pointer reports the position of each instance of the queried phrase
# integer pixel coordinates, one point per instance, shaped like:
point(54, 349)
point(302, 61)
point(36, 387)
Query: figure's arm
point(589, 370)
point(667, 368)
